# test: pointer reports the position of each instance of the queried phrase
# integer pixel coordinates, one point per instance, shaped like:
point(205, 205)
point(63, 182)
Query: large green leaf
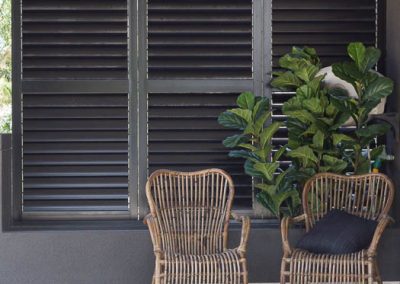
point(265, 152)
point(287, 81)
point(373, 130)
point(356, 51)
point(305, 92)
point(292, 104)
point(243, 113)
point(259, 123)
point(305, 154)
point(268, 188)
point(292, 63)
point(380, 88)
point(336, 165)
point(248, 146)
point(318, 140)
point(267, 170)
point(244, 154)
point(316, 83)
point(341, 100)
point(260, 108)
point(372, 56)
point(269, 132)
point(278, 154)
point(339, 138)
point(302, 115)
point(250, 170)
point(353, 71)
point(231, 120)
point(308, 73)
point(246, 100)
point(235, 140)
point(347, 71)
point(313, 105)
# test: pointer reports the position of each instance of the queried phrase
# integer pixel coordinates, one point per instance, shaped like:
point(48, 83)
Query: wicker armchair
point(188, 224)
point(369, 196)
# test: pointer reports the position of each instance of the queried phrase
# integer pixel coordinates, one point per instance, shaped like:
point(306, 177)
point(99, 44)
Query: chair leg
point(283, 267)
point(377, 274)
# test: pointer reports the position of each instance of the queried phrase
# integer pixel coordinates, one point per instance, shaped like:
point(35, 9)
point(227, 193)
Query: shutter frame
point(74, 134)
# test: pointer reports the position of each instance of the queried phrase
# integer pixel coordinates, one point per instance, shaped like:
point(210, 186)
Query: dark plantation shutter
point(74, 106)
point(198, 51)
point(327, 26)
point(199, 39)
point(184, 135)
point(72, 39)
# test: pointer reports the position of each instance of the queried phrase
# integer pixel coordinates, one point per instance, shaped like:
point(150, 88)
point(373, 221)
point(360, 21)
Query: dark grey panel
point(74, 39)
point(75, 154)
point(184, 135)
point(327, 26)
point(200, 39)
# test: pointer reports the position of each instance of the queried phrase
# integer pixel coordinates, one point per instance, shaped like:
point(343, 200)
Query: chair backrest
point(368, 196)
point(192, 209)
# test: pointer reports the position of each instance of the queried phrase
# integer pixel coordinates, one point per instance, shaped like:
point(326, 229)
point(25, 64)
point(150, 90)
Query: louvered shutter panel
point(201, 41)
point(74, 129)
point(184, 135)
point(327, 26)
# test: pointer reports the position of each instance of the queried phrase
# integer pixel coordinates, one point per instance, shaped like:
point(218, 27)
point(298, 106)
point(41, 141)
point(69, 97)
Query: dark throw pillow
point(338, 232)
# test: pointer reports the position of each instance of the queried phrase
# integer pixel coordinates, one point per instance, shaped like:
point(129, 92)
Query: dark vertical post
point(142, 108)
point(16, 197)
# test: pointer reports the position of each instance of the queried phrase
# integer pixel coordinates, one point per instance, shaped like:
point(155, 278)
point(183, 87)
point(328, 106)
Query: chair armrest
point(384, 221)
point(151, 221)
point(285, 223)
point(245, 220)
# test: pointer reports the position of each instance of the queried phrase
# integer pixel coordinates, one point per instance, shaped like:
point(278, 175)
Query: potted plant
point(253, 143)
point(370, 88)
point(313, 121)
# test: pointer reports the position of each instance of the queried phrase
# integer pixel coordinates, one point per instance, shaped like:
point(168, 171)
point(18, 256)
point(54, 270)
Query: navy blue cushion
point(338, 232)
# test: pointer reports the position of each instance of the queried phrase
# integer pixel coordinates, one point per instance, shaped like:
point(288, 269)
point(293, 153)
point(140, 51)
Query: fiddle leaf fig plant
point(254, 144)
point(371, 88)
point(313, 121)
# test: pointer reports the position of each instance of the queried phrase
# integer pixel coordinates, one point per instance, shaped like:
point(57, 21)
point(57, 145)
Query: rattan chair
point(188, 224)
point(369, 196)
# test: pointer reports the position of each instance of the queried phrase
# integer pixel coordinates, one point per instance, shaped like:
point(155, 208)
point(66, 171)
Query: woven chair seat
point(222, 267)
point(307, 267)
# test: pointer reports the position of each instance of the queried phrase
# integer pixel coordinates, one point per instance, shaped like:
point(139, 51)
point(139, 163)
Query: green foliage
point(5, 123)
point(5, 66)
point(254, 144)
point(370, 88)
point(313, 119)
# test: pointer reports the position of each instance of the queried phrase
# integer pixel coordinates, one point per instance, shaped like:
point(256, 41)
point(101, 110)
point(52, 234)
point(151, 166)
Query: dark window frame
point(137, 83)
